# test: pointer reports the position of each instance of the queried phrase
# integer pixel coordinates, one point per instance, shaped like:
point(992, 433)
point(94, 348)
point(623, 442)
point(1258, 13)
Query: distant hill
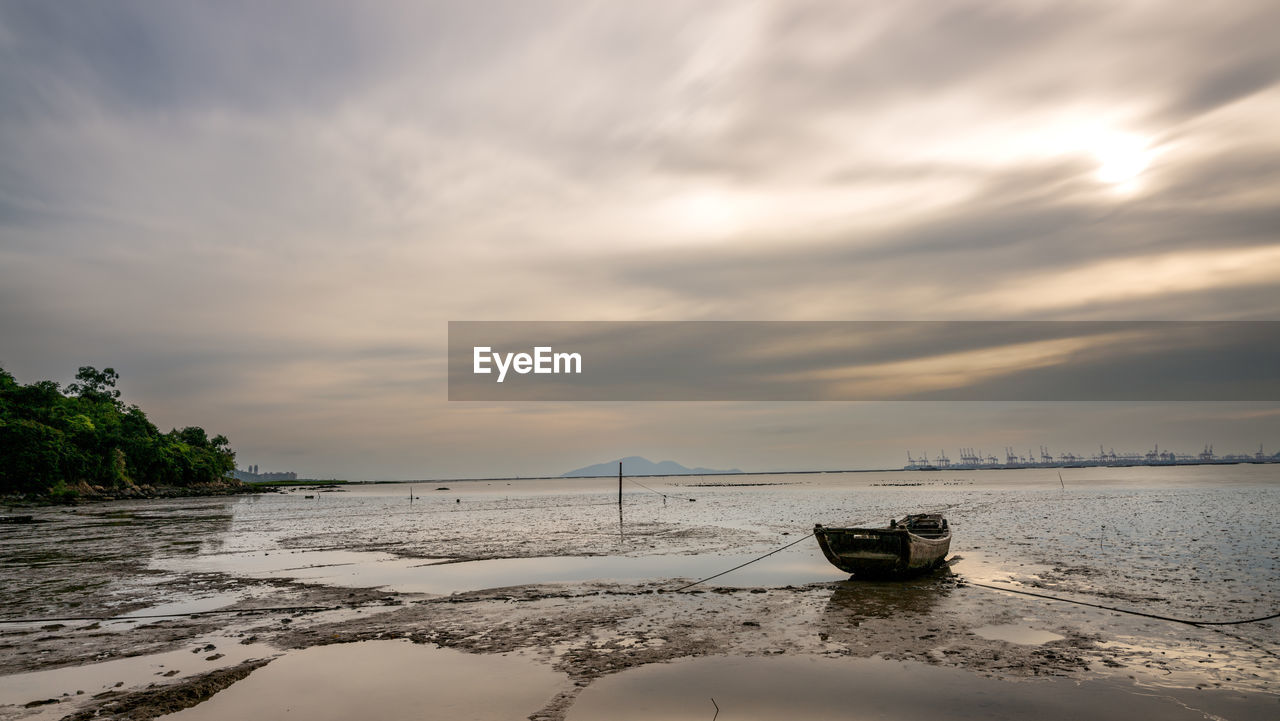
point(637, 466)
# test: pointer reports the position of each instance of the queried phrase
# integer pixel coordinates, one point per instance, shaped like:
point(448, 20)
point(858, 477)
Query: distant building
point(251, 475)
point(973, 459)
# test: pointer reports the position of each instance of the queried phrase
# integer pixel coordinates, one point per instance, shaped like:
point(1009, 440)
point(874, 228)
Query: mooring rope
point(1144, 614)
point(743, 565)
point(1125, 610)
point(783, 548)
point(660, 493)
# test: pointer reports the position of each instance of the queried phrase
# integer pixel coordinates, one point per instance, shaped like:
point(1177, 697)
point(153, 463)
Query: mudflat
point(414, 605)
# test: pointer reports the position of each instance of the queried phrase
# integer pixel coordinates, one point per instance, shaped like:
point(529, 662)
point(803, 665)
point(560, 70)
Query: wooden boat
point(917, 543)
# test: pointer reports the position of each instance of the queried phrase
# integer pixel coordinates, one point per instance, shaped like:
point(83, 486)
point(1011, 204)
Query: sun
point(704, 214)
point(1122, 159)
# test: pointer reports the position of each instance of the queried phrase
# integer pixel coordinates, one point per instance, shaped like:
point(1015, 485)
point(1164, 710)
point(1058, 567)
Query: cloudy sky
point(263, 215)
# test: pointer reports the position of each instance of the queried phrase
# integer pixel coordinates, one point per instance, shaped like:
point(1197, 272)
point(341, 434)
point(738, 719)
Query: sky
point(263, 216)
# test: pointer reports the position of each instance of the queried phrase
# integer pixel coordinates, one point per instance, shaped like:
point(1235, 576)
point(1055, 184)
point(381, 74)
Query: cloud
point(223, 195)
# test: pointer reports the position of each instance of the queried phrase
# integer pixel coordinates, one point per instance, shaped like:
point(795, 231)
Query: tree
point(51, 442)
point(95, 385)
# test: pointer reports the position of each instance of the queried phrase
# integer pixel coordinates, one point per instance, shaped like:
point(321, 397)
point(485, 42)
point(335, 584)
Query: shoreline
point(171, 592)
point(87, 495)
point(593, 631)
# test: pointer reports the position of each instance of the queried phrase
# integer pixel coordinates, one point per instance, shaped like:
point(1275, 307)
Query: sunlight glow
point(1122, 158)
point(704, 214)
point(1120, 280)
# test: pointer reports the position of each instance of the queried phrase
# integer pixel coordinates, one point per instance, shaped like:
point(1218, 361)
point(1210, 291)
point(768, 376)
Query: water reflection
point(75, 559)
point(853, 602)
point(384, 680)
point(360, 569)
point(884, 599)
point(1017, 633)
point(796, 688)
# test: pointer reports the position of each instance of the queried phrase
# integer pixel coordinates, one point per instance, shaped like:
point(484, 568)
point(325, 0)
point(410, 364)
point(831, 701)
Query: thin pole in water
point(620, 532)
point(1064, 486)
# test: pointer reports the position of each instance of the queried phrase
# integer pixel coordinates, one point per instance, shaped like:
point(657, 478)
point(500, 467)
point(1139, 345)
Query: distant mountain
point(637, 466)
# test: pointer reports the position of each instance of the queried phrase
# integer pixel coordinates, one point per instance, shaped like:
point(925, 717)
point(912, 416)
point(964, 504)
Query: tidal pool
point(801, 565)
point(1015, 633)
point(799, 689)
point(74, 683)
point(387, 681)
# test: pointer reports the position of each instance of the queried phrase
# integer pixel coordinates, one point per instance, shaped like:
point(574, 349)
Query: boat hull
point(881, 552)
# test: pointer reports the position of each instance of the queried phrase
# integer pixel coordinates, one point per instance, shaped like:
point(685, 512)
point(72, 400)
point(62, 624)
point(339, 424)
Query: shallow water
point(1198, 542)
point(766, 689)
point(387, 680)
point(1016, 633)
point(1190, 540)
point(93, 678)
point(412, 575)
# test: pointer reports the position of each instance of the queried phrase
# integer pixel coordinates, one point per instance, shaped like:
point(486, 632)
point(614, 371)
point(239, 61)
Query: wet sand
point(535, 581)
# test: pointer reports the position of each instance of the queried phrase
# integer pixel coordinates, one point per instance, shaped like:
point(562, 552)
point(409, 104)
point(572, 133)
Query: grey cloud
point(1011, 57)
point(917, 48)
point(202, 194)
point(1226, 85)
point(1250, 301)
point(1020, 221)
point(290, 56)
point(1233, 178)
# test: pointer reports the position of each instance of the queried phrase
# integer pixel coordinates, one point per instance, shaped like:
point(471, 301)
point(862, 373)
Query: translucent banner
point(864, 360)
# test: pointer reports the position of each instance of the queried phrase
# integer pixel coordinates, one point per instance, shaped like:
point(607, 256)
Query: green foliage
point(51, 442)
point(60, 493)
point(96, 386)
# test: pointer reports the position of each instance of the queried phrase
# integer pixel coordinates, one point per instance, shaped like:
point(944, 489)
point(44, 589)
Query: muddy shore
point(255, 585)
point(86, 494)
point(590, 631)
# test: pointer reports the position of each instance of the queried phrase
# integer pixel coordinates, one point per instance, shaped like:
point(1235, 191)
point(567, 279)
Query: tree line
point(54, 442)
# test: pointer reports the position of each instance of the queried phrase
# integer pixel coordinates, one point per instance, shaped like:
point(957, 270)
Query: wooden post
point(621, 534)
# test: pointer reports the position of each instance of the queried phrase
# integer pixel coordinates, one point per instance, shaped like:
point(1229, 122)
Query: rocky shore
point(83, 493)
